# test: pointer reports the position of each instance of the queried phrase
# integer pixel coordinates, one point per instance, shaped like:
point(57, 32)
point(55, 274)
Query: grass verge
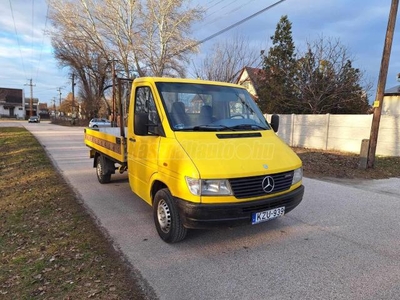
point(342, 165)
point(50, 248)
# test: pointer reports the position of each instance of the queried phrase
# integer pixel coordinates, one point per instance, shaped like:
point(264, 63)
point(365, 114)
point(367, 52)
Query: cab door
point(143, 142)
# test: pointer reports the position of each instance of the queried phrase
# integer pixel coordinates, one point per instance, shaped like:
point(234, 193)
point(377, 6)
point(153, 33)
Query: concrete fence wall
point(339, 132)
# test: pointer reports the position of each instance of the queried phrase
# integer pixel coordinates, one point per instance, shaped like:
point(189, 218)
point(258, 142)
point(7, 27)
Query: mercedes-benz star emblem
point(268, 184)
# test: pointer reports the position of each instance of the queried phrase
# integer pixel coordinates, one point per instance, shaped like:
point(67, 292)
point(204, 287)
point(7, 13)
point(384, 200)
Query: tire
point(102, 175)
point(166, 217)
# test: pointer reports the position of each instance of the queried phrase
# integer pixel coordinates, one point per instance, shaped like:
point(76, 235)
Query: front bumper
point(207, 216)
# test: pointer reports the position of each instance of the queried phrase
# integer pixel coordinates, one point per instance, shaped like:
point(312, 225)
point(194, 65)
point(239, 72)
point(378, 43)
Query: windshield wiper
point(219, 127)
point(249, 127)
point(212, 127)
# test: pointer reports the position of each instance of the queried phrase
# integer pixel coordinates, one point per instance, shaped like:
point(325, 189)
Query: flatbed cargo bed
point(107, 141)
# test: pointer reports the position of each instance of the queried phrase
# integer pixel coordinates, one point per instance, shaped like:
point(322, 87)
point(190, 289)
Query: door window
point(146, 107)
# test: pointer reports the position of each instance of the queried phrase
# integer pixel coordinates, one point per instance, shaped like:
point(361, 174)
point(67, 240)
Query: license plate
point(267, 215)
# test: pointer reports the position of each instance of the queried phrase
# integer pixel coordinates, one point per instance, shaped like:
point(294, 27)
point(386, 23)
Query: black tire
point(95, 126)
point(102, 175)
point(166, 217)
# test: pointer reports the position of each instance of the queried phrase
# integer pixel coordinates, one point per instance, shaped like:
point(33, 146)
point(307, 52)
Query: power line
point(226, 5)
point(227, 13)
point(16, 34)
point(231, 11)
point(41, 48)
point(33, 29)
point(215, 4)
point(228, 28)
point(236, 24)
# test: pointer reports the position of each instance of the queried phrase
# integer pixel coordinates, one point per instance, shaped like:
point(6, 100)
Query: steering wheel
point(237, 116)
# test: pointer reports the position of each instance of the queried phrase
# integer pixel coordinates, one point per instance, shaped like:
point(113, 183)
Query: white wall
point(18, 112)
point(339, 132)
point(391, 105)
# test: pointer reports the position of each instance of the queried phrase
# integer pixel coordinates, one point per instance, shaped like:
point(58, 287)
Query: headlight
point(215, 187)
point(209, 187)
point(297, 175)
point(194, 185)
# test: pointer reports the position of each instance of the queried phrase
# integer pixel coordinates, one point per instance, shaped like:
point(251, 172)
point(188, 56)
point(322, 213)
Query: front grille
point(248, 187)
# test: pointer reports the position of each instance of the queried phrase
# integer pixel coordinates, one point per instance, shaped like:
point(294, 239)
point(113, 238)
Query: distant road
point(341, 242)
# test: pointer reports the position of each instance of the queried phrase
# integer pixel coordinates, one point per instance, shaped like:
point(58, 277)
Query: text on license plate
point(267, 215)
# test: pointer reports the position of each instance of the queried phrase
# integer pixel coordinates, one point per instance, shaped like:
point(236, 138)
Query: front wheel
point(166, 217)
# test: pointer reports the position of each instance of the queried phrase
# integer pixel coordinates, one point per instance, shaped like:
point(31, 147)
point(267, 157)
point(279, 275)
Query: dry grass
point(50, 248)
point(334, 164)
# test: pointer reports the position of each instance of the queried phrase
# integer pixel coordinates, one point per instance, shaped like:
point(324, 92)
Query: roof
point(254, 75)
point(42, 106)
point(393, 91)
point(181, 80)
point(11, 95)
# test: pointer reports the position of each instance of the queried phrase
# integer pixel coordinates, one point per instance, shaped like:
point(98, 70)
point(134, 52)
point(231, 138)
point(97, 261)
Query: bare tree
point(227, 59)
point(151, 36)
point(148, 37)
point(165, 31)
point(119, 23)
point(78, 45)
point(91, 70)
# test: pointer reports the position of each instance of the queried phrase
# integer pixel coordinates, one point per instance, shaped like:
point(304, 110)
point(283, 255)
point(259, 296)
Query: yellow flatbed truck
point(201, 154)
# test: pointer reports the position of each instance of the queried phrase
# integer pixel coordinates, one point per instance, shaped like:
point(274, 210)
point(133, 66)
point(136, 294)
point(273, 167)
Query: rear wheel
point(166, 217)
point(103, 175)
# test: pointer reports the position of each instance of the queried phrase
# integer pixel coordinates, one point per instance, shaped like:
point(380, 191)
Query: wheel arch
point(157, 185)
point(95, 158)
point(110, 167)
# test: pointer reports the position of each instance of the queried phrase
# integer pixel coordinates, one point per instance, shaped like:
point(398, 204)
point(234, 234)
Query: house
point(44, 111)
point(391, 101)
point(12, 103)
point(249, 78)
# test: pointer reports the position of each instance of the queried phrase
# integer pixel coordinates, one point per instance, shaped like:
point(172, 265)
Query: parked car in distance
point(99, 122)
point(34, 119)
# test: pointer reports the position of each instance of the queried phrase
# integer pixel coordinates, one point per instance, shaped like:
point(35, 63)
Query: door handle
point(132, 139)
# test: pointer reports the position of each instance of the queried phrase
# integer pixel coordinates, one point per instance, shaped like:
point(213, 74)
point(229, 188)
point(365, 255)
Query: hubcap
point(164, 216)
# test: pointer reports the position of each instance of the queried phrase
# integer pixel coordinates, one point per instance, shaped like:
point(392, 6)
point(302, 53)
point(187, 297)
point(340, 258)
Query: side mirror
point(140, 124)
point(145, 127)
point(275, 122)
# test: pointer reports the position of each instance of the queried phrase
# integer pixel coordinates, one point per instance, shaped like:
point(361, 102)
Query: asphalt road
point(341, 242)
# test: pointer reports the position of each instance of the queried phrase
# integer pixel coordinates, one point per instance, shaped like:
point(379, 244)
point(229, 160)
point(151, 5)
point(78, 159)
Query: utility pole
point(381, 84)
point(73, 91)
point(113, 93)
point(59, 108)
point(54, 107)
point(73, 115)
point(31, 100)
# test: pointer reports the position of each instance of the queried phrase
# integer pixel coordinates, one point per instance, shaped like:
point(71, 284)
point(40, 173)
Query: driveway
point(341, 242)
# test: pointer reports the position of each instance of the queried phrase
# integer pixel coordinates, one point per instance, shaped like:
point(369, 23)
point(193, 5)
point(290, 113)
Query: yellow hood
point(237, 154)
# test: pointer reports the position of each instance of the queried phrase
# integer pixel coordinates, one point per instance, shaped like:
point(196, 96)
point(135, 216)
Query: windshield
point(205, 107)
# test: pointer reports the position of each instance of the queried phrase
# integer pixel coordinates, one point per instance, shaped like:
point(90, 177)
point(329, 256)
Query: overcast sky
point(26, 53)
